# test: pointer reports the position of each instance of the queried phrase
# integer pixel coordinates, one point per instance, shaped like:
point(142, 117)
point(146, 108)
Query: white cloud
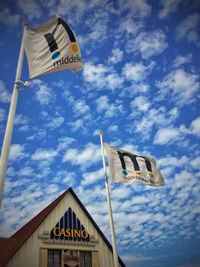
point(21, 119)
point(173, 161)
point(68, 96)
point(26, 171)
point(52, 189)
point(84, 158)
point(113, 81)
point(137, 72)
point(97, 25)
point(182, 84)
point(141, 103)
point(39, 134)
point(67, 178)
point(188, 28)
point(9, 19)
point(195, 127)
point(80, 107)
point(131, 148)
point(43, 166)
point(95, 74)
point(77, 124)
point(2, 114)
point(109, 110)
point(130, 259)
point(97, 209)
point(152, 117)
point(49, 3)
point(44, 154)
point(101, 76)
point(44, 94)
point(113, 128)
point(167, 135)
point(138, 8)
point(113, 110)
point(170, 134)
point(184, 178)
point(195, 162)
point(64, 142)
point(168, 6)
point(78, 8)
point(130, 26)
point(30, 8)
point(170, 164)
point(22, 122)
point(71, 7)
point(141, 87)
point(102, 103)
point(92, 177)
point(55, 122)
point(117, 56)
point(16, 152)
point(5, 96)
point(121, 193)
point(149, 43)
point(5, 229)
point(181, 60)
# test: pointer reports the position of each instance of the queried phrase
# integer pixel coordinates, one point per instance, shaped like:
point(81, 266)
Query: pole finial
point(25, 24)
point(100, 132)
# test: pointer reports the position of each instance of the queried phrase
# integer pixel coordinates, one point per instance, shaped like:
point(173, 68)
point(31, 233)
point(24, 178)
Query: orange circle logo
point(74, 48)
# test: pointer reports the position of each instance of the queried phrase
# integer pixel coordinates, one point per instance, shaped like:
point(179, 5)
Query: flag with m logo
point(51, 47)
point(127, 167)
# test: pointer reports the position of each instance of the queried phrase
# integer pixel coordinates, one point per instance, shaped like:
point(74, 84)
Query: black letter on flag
point(134, 161)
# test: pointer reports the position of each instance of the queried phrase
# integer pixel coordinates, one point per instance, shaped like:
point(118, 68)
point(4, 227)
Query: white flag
point(127, 167)
point(51, 47)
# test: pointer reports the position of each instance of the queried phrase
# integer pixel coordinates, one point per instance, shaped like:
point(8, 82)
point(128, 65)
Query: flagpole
point(11, 117)
point(112, 228)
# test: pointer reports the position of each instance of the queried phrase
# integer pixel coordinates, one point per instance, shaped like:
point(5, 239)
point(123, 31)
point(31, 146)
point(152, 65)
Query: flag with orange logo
point(127, 167)
point(51, 47)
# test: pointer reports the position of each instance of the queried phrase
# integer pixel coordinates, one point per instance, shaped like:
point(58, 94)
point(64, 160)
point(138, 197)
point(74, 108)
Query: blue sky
point(140, 85)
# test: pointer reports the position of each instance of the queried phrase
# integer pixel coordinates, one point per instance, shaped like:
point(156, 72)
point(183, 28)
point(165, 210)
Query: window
point(85, 259)
point(54, 257)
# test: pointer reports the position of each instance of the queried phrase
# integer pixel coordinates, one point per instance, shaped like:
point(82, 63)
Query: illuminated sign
point(69, 228)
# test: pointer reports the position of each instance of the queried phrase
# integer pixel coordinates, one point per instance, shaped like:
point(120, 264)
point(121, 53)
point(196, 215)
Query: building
point(62, 235)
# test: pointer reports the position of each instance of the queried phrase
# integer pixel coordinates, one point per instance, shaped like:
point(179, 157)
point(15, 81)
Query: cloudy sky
point(140, 85)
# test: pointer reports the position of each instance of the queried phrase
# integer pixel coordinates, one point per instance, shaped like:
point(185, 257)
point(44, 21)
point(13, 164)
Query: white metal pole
point(112, 228)
point(10, 121)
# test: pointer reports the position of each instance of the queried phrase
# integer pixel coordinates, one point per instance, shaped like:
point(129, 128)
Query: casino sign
point(69, 228)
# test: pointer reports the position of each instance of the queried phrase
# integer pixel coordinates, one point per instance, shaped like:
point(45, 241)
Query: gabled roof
point(9, 246)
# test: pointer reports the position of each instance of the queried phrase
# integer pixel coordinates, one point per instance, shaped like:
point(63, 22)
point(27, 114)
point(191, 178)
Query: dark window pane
point(54, 258)
point(85, 259)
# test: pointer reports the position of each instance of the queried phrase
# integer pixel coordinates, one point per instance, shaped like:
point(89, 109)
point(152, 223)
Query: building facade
point(62, 235)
